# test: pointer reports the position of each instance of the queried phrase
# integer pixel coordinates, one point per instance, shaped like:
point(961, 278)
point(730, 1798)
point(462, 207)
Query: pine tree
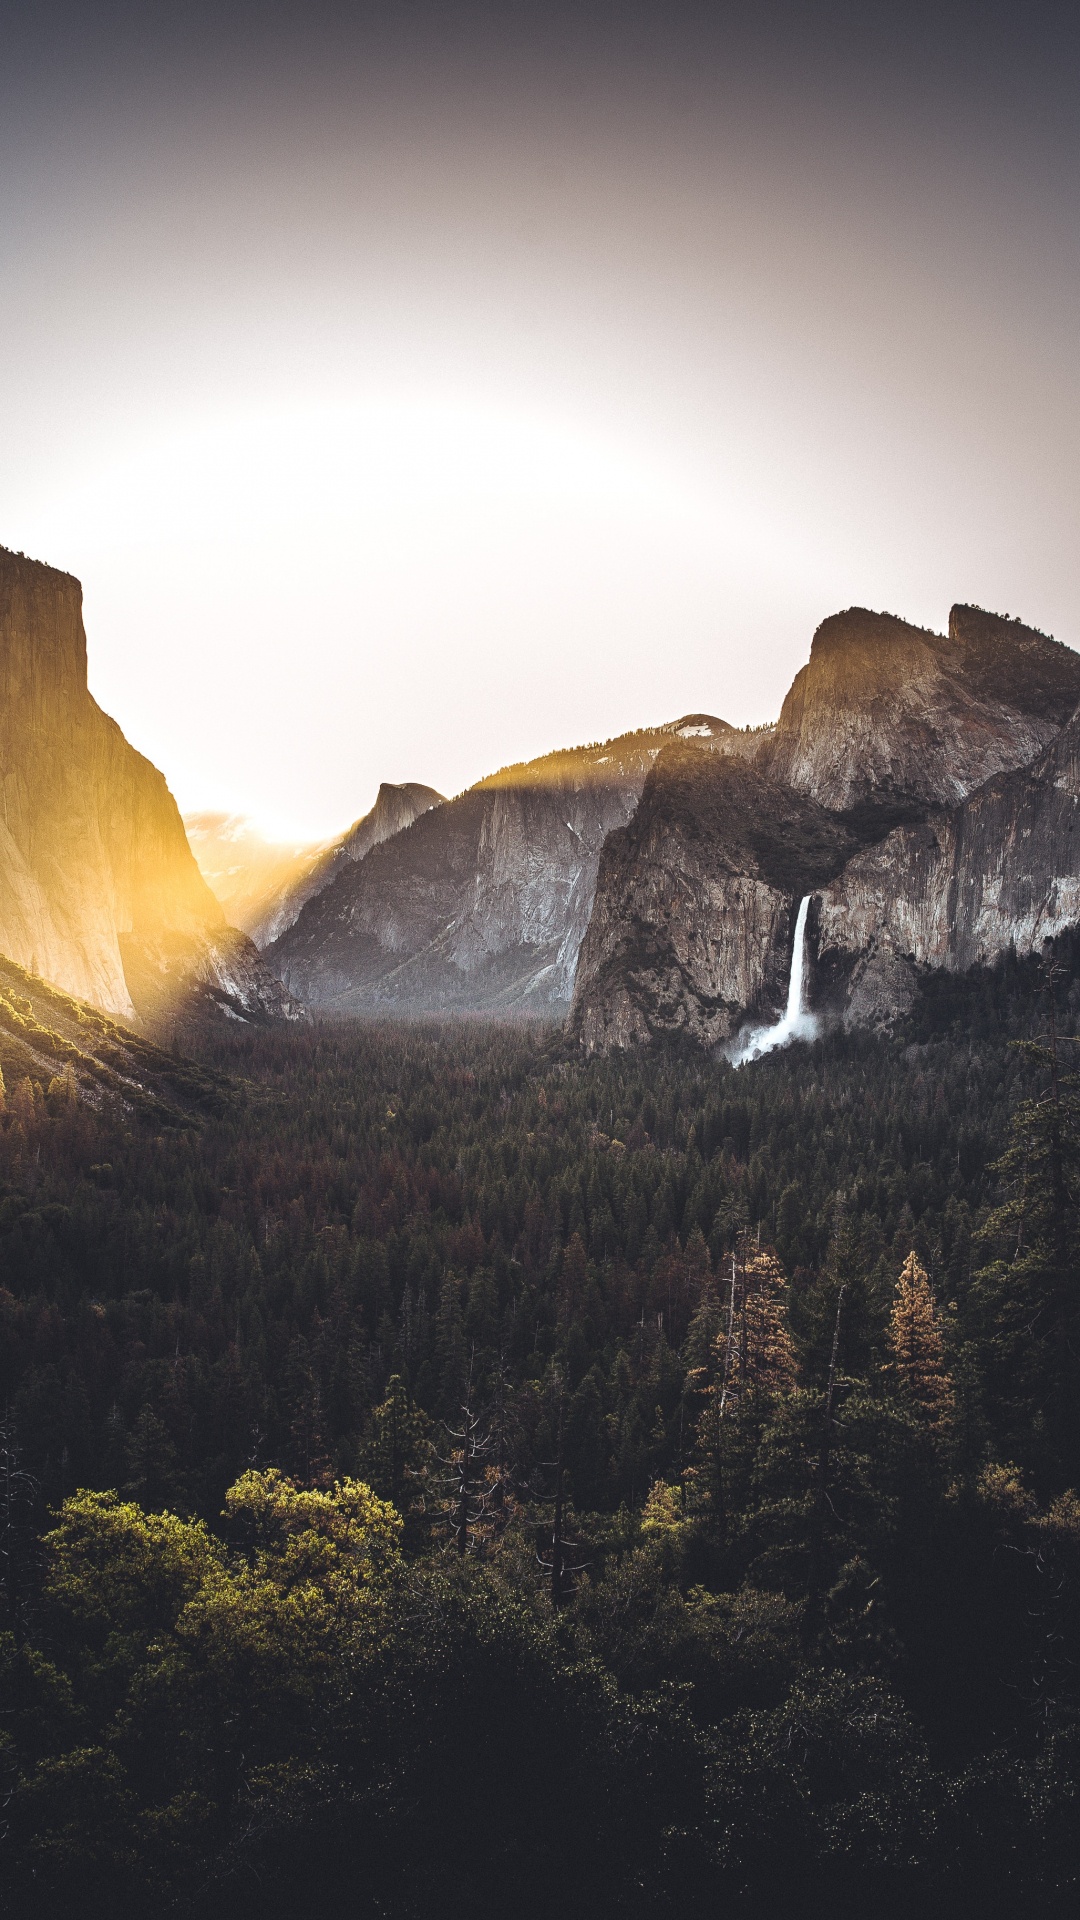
point(1028, 1300)
point(573, 1277)
point(754, 1350)
point(154, 1477)
point(704, 1334)
point(754, 1361)
point(917, 1348)
point(398, 1454)
point(451, 1348)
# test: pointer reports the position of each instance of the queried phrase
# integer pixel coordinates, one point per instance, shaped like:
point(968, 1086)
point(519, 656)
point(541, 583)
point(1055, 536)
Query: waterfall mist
point(796, 1022)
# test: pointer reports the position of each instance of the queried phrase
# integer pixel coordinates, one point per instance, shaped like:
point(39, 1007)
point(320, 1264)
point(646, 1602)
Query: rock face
point(263, 885)
point(481, 904)
point(396, 807)
point(944, 774)
point(959, 888)
point(99, 892)
point(695, 902)
point(891, 717)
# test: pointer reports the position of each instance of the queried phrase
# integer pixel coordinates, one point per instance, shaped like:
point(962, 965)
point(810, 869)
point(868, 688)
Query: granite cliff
point(890, 717)
point(942, 774)
point(956, 890)
point(695, 901)
point(481, 904)
point(99, 891)
point(263, 884)
point(396, 807)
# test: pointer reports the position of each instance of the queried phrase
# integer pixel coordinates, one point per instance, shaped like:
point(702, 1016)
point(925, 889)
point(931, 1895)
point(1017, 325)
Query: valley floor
point(449, 1475)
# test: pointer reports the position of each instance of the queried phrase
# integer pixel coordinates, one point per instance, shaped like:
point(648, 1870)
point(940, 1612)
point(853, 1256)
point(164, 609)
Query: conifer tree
point(754, 1349)
point(398, 1453)
point(754, 1361)
point(1029, 1299)
point(917, 1348)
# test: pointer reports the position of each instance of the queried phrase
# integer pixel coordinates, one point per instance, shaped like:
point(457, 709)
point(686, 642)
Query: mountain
point(396, 807)
point(243, 869)
point(889, 716)
point(696, 899)
point(263, 885)
point(99, 890)
point(957, 890)
point(481, 904)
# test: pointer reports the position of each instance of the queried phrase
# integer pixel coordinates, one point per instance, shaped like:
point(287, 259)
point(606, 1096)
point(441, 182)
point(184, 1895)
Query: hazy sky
point(415, 388)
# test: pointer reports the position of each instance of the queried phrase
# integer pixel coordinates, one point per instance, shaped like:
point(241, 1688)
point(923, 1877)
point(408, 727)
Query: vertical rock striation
point(99, 891)
point(961, 887)
point(481, 905)
point(945, 774)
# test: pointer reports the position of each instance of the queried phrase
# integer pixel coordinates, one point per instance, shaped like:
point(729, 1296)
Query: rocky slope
point(99, 891)
point(956, 890)
point(69, 1051)
point(695, 902)
point(481, 905)
point(396, 807)
point(891, 717)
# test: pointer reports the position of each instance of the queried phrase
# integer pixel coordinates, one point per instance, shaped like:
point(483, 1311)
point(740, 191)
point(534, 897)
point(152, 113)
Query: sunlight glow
point(376, 577)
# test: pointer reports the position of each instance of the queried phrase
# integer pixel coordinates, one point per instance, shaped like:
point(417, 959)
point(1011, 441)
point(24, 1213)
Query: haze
point(416, 390)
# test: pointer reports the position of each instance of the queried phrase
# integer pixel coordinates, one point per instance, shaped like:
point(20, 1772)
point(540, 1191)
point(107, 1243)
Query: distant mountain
point(242, 868)
point(263, 885)
point(99, 891)
point(396, 807)
point(922, 788)
point(481, 905)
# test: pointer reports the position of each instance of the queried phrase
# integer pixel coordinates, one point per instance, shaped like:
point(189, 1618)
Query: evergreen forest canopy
point(457, 1478)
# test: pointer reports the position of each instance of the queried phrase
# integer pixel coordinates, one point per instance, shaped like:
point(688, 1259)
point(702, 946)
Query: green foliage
point(820, 1643)
point(1026, 1303)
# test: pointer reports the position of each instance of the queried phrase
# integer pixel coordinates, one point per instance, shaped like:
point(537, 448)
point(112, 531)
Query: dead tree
point(470, 1490)
point(558, 1561)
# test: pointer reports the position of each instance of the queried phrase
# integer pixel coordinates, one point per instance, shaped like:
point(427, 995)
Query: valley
point(580, 1268)
point(539, 961)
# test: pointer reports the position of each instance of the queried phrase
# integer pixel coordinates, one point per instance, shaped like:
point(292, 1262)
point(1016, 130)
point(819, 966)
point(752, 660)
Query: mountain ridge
point(482, 904)
point(951, 762)
point(396, 806)
point(889, 714)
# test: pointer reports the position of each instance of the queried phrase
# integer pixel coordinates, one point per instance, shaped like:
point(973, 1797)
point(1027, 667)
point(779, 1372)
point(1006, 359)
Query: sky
point(416, 388)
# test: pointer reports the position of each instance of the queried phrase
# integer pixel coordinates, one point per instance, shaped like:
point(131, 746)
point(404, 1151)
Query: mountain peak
point(1006, 662)
point(888, 714)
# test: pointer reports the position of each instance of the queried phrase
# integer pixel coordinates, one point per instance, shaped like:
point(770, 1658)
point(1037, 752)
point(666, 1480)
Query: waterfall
point(793, 1011)
point(796, 1023)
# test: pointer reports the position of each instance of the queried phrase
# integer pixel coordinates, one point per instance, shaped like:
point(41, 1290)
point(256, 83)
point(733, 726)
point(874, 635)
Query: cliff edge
point(99, 890)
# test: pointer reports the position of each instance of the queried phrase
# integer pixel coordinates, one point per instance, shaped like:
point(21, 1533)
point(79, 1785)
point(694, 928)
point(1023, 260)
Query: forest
point(447, 1475)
